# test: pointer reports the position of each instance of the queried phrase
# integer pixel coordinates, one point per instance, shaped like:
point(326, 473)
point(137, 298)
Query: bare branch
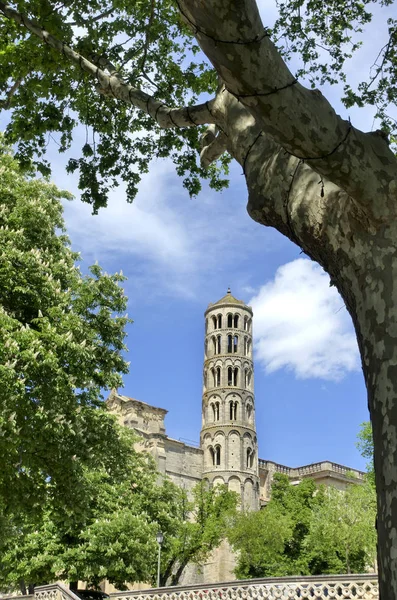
point(106, 13)
point(14, 88)
point(113, 86)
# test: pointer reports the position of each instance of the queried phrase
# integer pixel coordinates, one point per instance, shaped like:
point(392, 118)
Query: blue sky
point(179, 254)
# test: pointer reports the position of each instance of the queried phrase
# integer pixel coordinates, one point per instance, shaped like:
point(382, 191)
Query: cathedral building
point(228, 450)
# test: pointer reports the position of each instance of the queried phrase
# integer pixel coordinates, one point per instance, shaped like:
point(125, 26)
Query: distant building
point(228, 450)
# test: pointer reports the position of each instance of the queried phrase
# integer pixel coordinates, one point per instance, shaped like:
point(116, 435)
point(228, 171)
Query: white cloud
point(301, 324)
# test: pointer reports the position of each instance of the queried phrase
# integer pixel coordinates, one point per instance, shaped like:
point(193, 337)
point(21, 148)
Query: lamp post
point(159, 538)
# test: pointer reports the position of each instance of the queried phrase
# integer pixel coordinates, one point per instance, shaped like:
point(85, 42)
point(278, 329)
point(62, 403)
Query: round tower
point(228, 434)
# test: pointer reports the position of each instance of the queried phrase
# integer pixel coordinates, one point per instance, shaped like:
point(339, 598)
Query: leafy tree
point(114, 538)
point(271, 542)
point(61, 339)
point(342, 530)
point(200, 528)
point(124, 68)
point(365, 445)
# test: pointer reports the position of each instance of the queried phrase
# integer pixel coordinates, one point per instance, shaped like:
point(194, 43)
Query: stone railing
point(323, 587)
point(54, 591)
point(311, 469)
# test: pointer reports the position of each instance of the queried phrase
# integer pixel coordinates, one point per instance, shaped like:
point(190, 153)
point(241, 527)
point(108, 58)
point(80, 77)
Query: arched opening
point(206, 348)
point(235, 376)
point(233, 410)
point(245, 323)
point(213, 340)
point(235, 343)
point(230, 376)
point(205, 379)
point(248, 410)
point(250, 458)
point(230, 320)
point(249, 374)
point(214, 322)
point(206, 325)
point(235, 320)
point(215, 409)
point(248, 347)
point(212, 455)
point(245, 346)
point(218, 344)
point(217, 456)
point(229, 343)
point(218, 377)
point(219, 321)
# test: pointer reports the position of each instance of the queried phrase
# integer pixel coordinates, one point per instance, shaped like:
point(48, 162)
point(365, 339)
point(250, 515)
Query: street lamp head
point(159, 537)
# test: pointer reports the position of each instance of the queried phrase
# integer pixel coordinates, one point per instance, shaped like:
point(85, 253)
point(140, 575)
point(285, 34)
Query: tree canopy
point(305, 530)
point(61, 344)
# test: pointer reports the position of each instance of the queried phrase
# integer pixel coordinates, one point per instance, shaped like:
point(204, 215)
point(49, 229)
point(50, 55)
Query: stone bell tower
point(228, 434)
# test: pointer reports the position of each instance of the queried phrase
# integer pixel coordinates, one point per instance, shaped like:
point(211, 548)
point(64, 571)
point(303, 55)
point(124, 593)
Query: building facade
point(228, 450)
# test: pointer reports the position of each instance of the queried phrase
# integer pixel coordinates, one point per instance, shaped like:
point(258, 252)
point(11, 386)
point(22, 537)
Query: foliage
point(306, 530)
point(365, 445)
point(200, 527)
point(270, 542)
point(325, 35)
point(150, 47)
point(342, 530)
point(115, 538)
point(61, 343)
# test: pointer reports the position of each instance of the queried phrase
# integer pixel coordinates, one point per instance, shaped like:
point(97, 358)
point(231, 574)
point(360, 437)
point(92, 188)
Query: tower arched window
point(206, 348)
point(229, 343)
point(213, 373)
point(245, 323)
point(214, 322)
point(218, 344)
point(232, 376)
point(217, 456)
point(212, 455)
point(213, 340)
point(230, 320)
point(219, 321)
point(218, 377)
point(245, 346)
point(248, 410)
point(245, 378)
point(249, 379)
point(248, 347)
point(233, 410)
point(215, 410)
point(235, 320)
point(206, 325)
point(235, 343)
point(250, 458)
point(205, 379)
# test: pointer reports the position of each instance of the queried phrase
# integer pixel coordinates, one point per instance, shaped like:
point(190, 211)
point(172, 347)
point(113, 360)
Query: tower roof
point(228, 298)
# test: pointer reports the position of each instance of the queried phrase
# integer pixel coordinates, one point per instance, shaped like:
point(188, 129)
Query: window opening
point(214, 322)
point(217, 455)
point(229, 343)
point(218, 376)
point(218, 344)
point(235, 321)
point(235, 343)
point(219, 321)
point(230, 320)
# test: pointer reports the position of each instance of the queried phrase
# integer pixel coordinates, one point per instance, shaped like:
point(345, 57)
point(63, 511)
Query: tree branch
point(113, 86)
point(301, 120)
point(13, 89)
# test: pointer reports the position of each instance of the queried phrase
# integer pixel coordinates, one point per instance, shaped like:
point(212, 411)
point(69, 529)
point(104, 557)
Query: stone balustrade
point(312, 469)
point(320, 587)
point(323, 587)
